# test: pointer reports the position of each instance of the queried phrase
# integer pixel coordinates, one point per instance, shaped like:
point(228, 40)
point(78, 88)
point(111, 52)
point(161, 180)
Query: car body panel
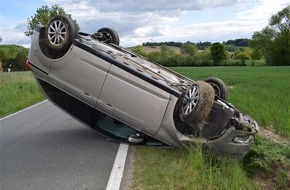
point(76, 73)
point(133, 101)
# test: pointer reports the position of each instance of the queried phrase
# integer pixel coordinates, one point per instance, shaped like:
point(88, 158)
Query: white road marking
point(23, 110)
point(118, 168)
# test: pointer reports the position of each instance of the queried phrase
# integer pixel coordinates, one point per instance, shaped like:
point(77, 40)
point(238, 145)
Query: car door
point(80, 74)
point(130, 99)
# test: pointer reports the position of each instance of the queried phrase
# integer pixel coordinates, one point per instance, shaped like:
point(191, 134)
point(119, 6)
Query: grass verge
point(18, 90)
point(157, 168)
point(266, 166)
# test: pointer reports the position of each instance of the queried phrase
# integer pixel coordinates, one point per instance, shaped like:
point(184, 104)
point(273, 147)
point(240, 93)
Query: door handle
point(86, 95)
point(108, 106)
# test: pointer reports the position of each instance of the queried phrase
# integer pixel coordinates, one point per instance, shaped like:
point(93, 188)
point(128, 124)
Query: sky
point(139, 21)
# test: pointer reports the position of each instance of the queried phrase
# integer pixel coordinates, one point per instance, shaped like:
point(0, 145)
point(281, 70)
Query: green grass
point(266, 166)
point(261, 92)
point(18, 90)
point(158, 168)
point(269, 162)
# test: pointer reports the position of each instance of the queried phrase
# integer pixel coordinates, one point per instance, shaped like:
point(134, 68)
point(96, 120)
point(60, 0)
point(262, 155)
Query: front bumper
point(237, 139)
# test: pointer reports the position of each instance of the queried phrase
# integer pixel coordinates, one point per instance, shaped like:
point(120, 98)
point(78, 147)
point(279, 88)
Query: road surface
point(44, 148)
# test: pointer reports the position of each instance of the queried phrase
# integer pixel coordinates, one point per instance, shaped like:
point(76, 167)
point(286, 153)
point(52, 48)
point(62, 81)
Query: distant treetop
point(242, 42)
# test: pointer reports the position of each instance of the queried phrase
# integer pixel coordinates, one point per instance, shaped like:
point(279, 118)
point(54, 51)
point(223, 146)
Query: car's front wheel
point(107, 35)
point(196, 103)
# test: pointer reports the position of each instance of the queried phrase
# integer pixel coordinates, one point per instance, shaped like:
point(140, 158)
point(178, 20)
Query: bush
point(231, 62)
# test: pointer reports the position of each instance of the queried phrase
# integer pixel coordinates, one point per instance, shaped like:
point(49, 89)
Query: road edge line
point(23, 110)
point(118, 168)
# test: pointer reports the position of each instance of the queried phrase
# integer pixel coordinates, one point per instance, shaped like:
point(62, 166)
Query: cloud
point(14, 34)
point(262, 11)
point(140, 6)
point(138, 21)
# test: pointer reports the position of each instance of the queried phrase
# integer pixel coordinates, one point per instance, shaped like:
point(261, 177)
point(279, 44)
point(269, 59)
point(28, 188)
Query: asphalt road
point(44, 148)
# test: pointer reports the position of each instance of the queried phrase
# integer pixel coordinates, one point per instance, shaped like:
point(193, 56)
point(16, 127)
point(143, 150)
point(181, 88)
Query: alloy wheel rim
point(190, 100)
point(57, 33)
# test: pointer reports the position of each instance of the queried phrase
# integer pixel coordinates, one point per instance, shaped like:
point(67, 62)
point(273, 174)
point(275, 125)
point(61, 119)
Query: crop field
point(261, 92)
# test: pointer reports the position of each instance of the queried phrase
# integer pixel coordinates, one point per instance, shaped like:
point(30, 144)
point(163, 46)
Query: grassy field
point(17, 91)
point(261, 92)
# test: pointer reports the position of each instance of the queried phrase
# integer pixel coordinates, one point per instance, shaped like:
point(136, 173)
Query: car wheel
point(60, 33)
point(196, 103)
point(219, 87)
point(107, 35)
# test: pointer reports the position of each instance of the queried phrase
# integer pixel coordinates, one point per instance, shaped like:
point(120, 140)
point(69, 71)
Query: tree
point(43, 15)
point(20, 59)
point(262, 42)
point(273, 41)
point(243, 56)
point(166, 52)
point(188, 49)
point(218, 53)
point(281, 20)
point(139, 50)
point(13, 55)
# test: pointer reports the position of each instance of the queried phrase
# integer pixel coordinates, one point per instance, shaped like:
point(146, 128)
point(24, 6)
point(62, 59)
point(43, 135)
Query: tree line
point(242, 42)
point(13, 57)
point(189, 55)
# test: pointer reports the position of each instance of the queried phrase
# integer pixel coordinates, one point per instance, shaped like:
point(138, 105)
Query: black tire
point(109, 35)
point(196, 103)
point(59, 35)
point(220, 88)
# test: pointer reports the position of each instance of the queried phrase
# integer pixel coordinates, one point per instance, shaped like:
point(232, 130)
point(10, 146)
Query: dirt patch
point(264, 184)
point(278, 177)
point(270, 134)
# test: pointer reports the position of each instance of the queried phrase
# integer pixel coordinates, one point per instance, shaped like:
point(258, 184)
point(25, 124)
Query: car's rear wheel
point(107, 35)
point(196, 103)
point(59, 35)
point(220, 88)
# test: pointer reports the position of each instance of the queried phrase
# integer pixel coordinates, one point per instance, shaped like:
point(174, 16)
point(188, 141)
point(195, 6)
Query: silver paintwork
point(127, 97)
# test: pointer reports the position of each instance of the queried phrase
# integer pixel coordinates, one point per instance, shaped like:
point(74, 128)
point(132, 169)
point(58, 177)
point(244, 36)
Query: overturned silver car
point(130, 99)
